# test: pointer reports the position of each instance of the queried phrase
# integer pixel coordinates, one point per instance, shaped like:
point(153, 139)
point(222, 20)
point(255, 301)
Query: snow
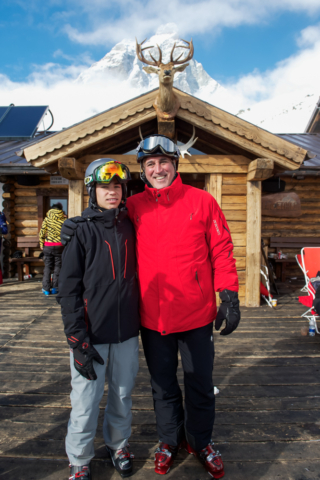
point(122, 74)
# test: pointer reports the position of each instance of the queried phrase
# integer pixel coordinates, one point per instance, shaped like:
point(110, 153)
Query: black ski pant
point(52, 263)
point(194, 421)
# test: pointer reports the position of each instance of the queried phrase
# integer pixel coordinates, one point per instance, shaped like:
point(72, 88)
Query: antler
point(184, 148)
point(188, 57)
point(141, 57)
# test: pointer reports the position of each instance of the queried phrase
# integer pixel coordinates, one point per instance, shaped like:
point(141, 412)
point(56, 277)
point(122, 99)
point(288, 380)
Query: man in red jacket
point(184, 255)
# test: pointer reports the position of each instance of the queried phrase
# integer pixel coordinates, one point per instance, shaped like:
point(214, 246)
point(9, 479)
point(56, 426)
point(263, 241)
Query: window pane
point(63, 201)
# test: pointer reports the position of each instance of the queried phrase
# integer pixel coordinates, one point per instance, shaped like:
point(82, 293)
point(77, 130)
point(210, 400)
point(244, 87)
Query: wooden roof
point(222, 125)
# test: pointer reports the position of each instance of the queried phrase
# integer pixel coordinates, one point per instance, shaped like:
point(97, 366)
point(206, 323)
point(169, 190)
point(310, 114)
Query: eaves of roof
point(308, 141)
point(88, 132)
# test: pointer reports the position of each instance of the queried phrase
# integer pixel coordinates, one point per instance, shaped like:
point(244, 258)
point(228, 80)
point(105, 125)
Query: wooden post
point(213, 184)
point(75, 198)
point(40, 211)
point(253, 244)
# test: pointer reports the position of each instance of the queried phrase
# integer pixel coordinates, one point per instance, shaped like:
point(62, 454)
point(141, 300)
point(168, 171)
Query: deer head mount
point(166, 103)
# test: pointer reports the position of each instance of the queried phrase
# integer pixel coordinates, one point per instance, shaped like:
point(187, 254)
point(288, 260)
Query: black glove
point(83, 355)
point(316, 301)
point(229, 310)
point(68, 228)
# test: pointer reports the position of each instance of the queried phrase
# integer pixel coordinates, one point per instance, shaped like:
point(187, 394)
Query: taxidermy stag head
point(166, 104)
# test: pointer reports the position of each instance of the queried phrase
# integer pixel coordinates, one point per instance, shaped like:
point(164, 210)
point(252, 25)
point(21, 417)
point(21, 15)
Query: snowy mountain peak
point(122, 64)
point(119, 77)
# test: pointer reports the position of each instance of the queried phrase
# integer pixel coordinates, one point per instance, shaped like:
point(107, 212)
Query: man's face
point(109, 196)
point(159, 171)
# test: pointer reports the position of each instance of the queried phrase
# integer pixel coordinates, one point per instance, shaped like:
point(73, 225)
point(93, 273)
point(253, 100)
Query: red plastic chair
point(310, 257)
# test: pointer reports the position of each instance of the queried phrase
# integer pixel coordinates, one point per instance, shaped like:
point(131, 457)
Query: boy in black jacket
point(98, 294)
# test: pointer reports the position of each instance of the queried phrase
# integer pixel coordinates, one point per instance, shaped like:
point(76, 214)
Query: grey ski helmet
point(96, 174)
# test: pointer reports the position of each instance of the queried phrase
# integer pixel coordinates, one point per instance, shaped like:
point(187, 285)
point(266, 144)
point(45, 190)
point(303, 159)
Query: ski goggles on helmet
point(157, 144)
point(106, 173)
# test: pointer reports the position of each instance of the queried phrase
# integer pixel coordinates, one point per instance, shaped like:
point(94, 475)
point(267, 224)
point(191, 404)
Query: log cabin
point(231, 159)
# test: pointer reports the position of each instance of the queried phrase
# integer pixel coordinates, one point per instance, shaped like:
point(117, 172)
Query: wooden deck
point(267, 416)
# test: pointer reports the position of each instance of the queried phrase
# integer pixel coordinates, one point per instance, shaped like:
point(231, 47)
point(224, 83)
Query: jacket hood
point(54, 213)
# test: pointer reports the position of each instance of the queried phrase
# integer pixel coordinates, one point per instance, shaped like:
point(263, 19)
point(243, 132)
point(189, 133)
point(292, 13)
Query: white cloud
point(71, 102)
point(292, 85)
point(110, 22)
point(291, 89)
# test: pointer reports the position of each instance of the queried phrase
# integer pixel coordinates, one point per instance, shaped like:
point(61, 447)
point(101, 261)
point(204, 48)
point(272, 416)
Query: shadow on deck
point(267, 417)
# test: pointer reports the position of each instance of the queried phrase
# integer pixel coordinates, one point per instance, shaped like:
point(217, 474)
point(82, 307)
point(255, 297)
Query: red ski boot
point(164, 457)
point(210, 459)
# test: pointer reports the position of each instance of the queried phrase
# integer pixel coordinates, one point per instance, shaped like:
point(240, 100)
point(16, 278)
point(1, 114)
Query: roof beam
point(70, 168)
point(193, 164)
point(260, 169)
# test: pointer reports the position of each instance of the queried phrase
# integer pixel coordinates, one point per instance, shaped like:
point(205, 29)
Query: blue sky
point(36, 32)
point(260, 49)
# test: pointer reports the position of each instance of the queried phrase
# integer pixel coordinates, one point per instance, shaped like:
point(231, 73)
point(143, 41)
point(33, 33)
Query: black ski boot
point(78, 472)
point(122, 460)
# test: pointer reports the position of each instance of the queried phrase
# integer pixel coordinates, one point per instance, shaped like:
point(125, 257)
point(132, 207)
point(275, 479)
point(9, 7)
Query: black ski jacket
point(98, 289)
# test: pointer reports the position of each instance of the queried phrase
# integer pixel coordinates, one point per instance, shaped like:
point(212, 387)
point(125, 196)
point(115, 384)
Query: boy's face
point(109, 196)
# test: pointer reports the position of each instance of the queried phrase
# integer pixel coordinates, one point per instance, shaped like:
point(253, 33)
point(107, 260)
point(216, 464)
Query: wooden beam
point(260, 169)
point(40, 210)
point(166, 127)
point(195, 164)
point(70, 168)
point(75, 197)
point(213, 184)
point(253, 257)
point(52, 168)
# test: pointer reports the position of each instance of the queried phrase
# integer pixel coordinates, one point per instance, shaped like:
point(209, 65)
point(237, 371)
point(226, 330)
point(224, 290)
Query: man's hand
point(83, 356)
point(68, 228)
point(229, 310)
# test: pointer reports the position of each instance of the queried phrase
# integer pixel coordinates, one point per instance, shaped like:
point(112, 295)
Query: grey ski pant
point(121, 364)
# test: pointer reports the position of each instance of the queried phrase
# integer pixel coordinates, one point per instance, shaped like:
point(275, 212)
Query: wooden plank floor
point(267, 416)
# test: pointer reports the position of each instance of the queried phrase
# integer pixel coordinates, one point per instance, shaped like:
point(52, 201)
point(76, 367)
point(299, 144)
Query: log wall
point(234, 207)
point(308, 225)
point(21, 209)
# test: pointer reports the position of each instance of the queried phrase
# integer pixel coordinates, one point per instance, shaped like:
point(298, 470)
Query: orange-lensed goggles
point(105, 173)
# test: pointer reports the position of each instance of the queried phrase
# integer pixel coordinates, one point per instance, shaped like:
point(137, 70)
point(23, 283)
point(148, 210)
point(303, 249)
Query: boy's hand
point(83, 356)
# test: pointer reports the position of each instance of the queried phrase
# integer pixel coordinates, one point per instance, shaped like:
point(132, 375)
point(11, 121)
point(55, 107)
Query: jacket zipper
point(86, 312)
point(114, 276)
point(125, 263)
point(198, 282)
point(119, 279)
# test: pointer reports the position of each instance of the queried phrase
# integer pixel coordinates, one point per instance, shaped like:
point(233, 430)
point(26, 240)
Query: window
point(63, 201)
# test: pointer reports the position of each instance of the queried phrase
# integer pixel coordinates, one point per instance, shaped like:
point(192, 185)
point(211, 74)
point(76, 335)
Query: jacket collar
point(107, 217)
point(166, 195)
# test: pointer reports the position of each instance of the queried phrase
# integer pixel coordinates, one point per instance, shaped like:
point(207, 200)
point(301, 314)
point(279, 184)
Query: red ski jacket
point(184, 255)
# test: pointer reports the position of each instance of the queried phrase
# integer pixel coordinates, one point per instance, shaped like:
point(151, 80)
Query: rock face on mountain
point(121, 63)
